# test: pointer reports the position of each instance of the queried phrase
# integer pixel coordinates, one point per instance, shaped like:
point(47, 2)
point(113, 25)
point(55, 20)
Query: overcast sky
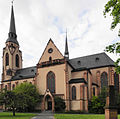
point(39, 20)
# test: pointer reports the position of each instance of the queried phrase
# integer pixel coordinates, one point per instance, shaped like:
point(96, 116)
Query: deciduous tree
point(113, 7)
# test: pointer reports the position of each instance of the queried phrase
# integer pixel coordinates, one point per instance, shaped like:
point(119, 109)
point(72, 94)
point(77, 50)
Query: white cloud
point(38, 20)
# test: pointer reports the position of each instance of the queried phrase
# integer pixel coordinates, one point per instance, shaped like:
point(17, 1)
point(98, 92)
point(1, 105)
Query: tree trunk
point(13, 111)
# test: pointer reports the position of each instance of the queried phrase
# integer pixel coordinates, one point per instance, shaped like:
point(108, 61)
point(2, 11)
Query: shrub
point(59, 104)
point(97, 103)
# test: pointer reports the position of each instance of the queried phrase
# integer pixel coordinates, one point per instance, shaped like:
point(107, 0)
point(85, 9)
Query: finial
point(12, 2)
point(66, 33)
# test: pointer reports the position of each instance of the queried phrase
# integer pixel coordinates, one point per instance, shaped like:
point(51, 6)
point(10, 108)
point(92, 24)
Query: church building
point(75, 80)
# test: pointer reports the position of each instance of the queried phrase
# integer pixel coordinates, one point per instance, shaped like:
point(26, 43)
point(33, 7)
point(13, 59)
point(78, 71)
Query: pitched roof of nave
point(24, 73)
point(91, 61)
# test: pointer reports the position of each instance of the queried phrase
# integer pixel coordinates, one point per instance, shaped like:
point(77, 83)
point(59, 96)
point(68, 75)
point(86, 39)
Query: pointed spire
point(12, 36)
point(12, 22)
point(66, 54)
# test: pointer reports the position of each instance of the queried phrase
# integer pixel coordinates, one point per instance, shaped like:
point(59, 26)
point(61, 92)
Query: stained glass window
point(73, 93)
point(104, 80)
point(51, 82)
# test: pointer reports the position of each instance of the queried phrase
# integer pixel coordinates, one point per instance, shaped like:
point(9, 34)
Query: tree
point(24, 97)
point(59, 104)
point(113, 7)
point(28, 95)
point(9, 99)
point(115, 48)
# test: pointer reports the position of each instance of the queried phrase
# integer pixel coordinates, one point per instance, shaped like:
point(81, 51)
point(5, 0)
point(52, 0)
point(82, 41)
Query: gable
point(51, 51)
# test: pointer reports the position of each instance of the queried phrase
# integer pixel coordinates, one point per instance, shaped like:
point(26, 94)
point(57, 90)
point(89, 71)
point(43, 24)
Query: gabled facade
point(75, 80)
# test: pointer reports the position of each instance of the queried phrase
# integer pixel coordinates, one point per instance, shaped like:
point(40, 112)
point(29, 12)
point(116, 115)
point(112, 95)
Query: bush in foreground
point(59, 104)
point(97, 103)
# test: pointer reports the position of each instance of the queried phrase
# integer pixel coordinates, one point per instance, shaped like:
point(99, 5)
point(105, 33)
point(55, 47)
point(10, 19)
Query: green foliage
point(115, 48)
point(28, 97)
point(8, 115)
point(23, 98)
point(9, 99)
point(59, 104)
point(74, 112)
point(113, 7)
point(97, 104)
point(79, 116)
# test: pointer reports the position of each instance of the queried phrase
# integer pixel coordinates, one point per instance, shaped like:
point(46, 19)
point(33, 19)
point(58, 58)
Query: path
point(45, 115)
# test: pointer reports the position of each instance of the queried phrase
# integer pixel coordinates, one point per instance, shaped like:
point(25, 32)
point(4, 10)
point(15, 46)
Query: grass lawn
point(80, 116)
point(8, 115)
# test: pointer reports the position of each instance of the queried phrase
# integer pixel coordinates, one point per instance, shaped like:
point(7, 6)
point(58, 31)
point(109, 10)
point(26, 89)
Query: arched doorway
point(48, 103)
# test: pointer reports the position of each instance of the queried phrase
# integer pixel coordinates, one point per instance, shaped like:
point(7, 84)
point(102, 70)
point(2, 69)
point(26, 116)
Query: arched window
point(116, 81)
point(5, 87)
point(7, 59)
point(50, 59)
point(73, 93)
point(51, 82)
point(13, 86)
point(104, 80)
point(94, 91)
point(17, 60)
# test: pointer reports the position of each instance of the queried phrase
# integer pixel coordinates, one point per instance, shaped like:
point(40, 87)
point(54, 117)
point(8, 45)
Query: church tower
point(12, 56)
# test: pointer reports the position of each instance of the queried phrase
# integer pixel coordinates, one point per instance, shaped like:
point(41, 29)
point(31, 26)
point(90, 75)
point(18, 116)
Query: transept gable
point(51, 52)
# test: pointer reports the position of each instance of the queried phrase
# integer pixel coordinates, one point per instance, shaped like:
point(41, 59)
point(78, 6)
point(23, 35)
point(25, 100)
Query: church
point(74, 80)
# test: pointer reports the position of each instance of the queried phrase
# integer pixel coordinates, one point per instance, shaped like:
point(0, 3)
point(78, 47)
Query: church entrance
point(48, 103)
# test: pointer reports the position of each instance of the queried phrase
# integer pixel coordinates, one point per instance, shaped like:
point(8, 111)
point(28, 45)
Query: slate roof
point(77, 80)
point(13, 40)
point(24, 73)
point(91, 61)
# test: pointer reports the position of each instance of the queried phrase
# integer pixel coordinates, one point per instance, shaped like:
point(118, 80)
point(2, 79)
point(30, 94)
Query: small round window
point(50, 50)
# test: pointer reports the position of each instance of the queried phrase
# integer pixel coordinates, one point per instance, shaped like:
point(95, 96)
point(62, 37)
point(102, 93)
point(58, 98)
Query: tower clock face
point(50, 50)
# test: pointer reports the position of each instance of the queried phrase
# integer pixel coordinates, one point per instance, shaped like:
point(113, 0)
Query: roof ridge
point(27, 67)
